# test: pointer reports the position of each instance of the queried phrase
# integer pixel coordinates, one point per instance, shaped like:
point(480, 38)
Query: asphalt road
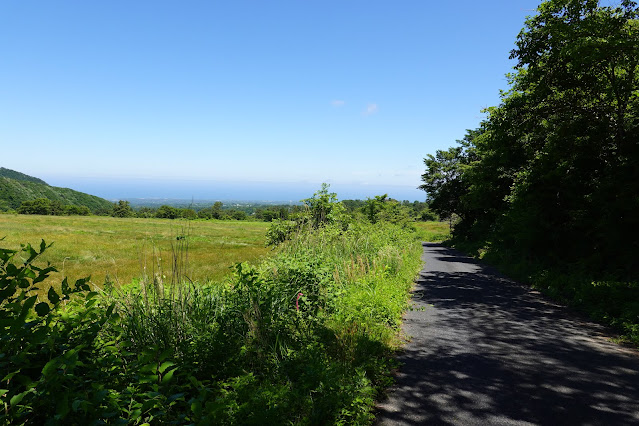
point(488, 351)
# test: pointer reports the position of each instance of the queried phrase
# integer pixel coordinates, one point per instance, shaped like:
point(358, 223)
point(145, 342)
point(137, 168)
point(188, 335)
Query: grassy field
point(120, 248)
point(433, 232)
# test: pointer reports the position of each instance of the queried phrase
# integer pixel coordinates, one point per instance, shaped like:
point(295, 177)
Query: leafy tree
point(122, 209)
point(56, 208)
point(321, 210)
point(188, 214)
point(146, 212)
point(38, 206)
point(552, 174)
point(324, 208)
point(216, 210)
point(213, 212)
point(373, 207)
point(77, 210)
point(237, 214)
point(271, 214)
point(167, 212)
point(444, 177)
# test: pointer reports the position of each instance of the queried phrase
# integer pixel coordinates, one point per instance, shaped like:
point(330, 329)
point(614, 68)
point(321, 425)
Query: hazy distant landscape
point(259, 191)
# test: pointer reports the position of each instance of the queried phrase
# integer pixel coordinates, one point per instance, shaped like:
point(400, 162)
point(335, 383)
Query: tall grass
point(303, 337)
point(306, 335)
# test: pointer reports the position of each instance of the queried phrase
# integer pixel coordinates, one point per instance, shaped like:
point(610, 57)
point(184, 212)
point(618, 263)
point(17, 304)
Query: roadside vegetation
point(547, 187)
point(433, 231)
point(304, 336)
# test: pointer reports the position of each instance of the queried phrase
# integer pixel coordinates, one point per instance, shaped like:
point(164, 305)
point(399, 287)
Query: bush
point(122, 209)
point(167, 212)
point(47, 352)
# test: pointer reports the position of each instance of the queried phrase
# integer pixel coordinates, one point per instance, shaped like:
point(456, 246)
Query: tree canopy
point(552, 174)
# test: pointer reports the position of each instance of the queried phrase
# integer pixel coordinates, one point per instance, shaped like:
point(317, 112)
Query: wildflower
point(297, 302)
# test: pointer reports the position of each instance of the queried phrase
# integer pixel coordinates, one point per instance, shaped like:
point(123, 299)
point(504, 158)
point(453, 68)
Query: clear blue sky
point(350, 92)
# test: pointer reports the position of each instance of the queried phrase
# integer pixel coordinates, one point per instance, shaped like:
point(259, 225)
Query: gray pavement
point(487, 351)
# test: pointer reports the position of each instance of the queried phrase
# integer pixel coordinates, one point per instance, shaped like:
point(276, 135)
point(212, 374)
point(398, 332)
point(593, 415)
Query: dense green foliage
point(44, 206)
point(14, 192)
point(304, 338)
point(12, 174)
point(323, 209)
point(417, 210)
point(548, 186)
point(50, 356)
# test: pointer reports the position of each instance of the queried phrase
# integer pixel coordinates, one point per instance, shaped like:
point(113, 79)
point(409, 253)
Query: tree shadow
point(487, 350)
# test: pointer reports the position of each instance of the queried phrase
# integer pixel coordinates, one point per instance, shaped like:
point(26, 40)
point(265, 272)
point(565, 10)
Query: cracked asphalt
point(485, 350)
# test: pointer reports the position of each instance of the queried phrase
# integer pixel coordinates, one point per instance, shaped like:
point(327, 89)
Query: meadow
point(124, 249)
point(302, 334)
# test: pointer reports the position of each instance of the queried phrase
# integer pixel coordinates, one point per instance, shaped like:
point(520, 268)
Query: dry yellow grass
point(120, 248)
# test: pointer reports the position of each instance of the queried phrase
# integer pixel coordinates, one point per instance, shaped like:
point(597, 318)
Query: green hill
point(16, 187)
point(8, 173)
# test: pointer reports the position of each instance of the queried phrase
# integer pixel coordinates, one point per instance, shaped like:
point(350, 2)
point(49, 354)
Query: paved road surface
point(487, 351)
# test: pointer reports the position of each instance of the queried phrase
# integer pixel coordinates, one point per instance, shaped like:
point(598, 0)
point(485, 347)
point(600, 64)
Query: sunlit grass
point(120, 248)
point(433, 232)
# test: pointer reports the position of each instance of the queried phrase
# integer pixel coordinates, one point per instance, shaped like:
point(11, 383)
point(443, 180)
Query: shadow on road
point(486, 350)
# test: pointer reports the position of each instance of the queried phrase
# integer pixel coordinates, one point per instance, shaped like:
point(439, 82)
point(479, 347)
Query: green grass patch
point(433, 231)
point(128, 248)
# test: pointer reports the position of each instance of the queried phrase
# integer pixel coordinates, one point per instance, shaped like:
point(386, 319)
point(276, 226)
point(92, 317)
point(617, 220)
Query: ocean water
point(121, 188)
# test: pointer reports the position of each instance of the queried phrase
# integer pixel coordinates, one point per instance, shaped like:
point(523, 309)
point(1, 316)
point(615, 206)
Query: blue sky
point(350, 92)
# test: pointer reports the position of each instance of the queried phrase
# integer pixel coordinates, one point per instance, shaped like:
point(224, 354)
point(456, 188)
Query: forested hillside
point(548, 185)
point(15, 188)
point(8, 173)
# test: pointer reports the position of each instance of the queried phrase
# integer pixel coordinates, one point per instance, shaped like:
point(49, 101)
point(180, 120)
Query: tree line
point(370, 209)
point(551, 176)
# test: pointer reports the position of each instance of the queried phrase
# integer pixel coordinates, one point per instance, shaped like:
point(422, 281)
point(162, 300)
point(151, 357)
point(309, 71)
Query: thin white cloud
point(371, 109)
point(338, 103)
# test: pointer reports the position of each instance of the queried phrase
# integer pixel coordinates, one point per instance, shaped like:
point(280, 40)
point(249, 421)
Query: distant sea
point(286, 192)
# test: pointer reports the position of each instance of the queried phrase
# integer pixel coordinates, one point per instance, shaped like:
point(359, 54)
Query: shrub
point(47, 353)
point(122, 209)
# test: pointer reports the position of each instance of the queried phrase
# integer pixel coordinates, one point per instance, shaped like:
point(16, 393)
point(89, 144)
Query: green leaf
point(196, 407)
point(9, 376)
point(65, 287)
point(26, 307)
point(50, 367)
point(164, 366)
point(29, 273)
point(42, 309)
point(77, 404)
point(53, 296)
point(175, 397)
point(17, 398)
point(168, 376)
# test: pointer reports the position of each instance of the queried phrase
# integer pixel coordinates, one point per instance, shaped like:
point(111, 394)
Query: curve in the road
point(487, 351)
